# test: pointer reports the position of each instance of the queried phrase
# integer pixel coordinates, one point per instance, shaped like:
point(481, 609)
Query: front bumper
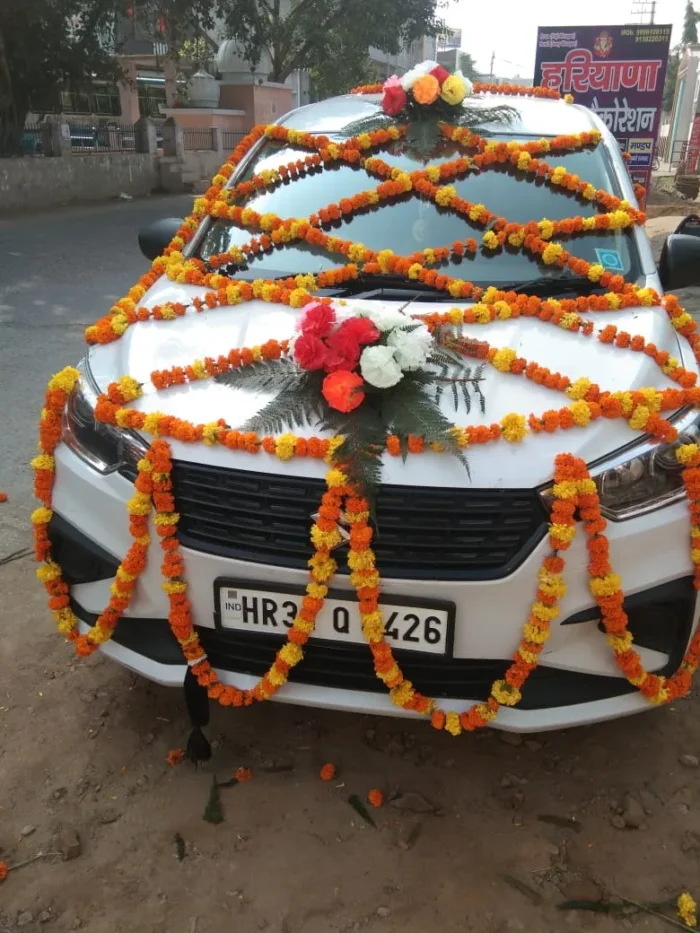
point(577, 681)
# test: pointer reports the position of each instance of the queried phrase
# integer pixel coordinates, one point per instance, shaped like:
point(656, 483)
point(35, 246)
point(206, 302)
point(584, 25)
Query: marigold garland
point(575, 494)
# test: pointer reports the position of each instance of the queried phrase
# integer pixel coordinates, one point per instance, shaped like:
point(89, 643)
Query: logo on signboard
point(603, 45)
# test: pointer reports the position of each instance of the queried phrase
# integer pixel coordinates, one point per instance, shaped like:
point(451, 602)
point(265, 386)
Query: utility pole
point(643, 8)
point(493, 59)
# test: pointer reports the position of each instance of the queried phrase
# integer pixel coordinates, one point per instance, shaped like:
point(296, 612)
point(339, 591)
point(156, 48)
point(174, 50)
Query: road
point(479, 837)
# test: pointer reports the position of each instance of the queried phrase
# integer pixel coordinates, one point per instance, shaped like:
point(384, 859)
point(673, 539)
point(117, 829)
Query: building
point(420, 50)
point(686, 107)
point(452, 39)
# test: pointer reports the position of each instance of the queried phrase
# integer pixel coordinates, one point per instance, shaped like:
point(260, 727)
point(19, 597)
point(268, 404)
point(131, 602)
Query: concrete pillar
point(169, 73)
point(56, 141)
point(173, 139)
point(145, 135)
point(217, 144)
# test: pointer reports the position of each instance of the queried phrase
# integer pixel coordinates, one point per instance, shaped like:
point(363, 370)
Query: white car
point(458, 554)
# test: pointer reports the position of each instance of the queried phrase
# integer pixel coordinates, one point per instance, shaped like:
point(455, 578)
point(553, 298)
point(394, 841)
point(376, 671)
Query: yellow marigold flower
point(605, 586)
point(587, 487)
point(646, 298)
point(129, 388)
point(490, 240)
point(687, 909)
point(486, 713)
point(581, 413)
point(371, 579)
point(452, 724)
point(570, 320)
point(41, 516)
point(210, 433)
point(402, 693)
point(568, 98)
point(361, 560)
point(503, 310)
point(544, 143)
point(335, 478)
point(316, 590)
point(517, 239)
point(461, 436)
point(49, 571)
point(174, 587)
point(456, 316)
point(481, 313)
point(455, 288)
point(653, 397)
point(504, 694)
point(686, 453)
point(639, 418)
point(150, 423)
point(513, 427)
point(65, 380)
point(620, 643)
point(614, 301)
point(43, 462)
point(445, 196)
point(589, 223)
point(476, 211)
point(681, 321)
point(325, 540)
point(589, 192)
point(551, 253)
point(284, 446)
point(298, 297)
point(276, 677)
point(563, 532)
point(322, 568)
point(414, 270)
point(433, 173)
point(291, 654)
point(503, 359)
point(534, 635)
point(65, 620)
point(166, 518)
point(595, 272)
point(546, 228)
point(453, 90)
point(566, 489)
point(373, 627)
point(524, 160)
point(532, 657)
point(578, 389)
point(545, 613)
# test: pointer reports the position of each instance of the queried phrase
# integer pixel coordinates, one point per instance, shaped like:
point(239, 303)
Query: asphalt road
point(59, 271)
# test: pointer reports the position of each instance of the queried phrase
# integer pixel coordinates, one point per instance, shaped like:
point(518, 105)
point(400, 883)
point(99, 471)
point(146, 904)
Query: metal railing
point(34, 140)
point(198, 139)
point(89, 138)
point(230, 139)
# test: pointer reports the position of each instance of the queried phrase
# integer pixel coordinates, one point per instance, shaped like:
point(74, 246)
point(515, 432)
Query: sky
point(514, 45)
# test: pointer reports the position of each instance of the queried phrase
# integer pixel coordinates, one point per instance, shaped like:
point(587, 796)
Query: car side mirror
point(679, 266)
point(154, 237)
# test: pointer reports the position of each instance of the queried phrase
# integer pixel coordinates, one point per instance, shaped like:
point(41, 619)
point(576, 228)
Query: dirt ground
point(465, 846)
point(487, 833)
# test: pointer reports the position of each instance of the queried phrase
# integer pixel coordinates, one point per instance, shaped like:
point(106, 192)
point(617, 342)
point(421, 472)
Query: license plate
point(409, 624)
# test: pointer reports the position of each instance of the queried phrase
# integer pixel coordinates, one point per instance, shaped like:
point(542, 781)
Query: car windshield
point(407, 223)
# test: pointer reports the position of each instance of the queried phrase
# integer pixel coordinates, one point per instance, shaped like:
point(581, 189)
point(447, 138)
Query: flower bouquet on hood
point(428, 95)
point(366, 375)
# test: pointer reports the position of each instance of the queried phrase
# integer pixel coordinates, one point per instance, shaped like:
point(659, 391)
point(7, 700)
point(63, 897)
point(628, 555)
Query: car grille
point(422, 532)
point(350, 667)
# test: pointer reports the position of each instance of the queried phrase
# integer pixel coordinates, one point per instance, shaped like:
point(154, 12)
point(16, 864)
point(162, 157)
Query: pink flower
point(318, 319)
point(361, 328)
point(394, 98)
point(343, 351)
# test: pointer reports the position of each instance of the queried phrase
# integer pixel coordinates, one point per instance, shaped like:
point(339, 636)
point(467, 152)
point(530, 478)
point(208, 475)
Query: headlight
point(645, 476)
point(104, 447)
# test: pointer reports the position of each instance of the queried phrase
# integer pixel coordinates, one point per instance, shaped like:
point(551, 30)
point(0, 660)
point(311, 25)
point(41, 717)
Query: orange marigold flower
point(175, 756)
point(4, 871)
point(375, 797)
point(426, 89)
point(243, 774)
point(327, 772)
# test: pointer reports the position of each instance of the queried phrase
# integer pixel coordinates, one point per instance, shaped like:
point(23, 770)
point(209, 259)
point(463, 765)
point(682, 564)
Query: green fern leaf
point(296, 406)
point(271, 376)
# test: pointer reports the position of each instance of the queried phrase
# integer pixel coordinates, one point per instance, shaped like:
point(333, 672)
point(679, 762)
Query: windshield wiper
point(373, 286)
point(551, 285)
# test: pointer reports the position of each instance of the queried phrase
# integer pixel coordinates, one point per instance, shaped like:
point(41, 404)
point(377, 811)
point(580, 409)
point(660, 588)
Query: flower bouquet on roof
point(364, 376)
point(428, 95)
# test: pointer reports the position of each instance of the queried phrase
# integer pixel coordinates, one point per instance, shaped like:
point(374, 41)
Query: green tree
point(308, 33)
point(690, 24)
point(467, 66)
point(338, 74)
point(47, 46)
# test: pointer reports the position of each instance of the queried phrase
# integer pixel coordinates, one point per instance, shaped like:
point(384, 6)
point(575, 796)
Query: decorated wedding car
point(398, 421)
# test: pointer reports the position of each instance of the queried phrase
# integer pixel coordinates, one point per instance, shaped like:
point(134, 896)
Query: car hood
point(161, 344)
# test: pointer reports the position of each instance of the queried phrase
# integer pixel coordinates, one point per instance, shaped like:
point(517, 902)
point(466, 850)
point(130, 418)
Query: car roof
point(535, 116)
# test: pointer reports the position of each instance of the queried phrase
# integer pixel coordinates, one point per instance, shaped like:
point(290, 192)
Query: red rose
point(440, 73)
point(309, 352)
point(343, 390)
point(343, 351)
point(394, 99)
point(361, 328)
point(318, 319)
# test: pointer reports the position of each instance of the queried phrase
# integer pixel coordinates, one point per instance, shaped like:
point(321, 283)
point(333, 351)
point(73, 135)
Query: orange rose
point(426, 90)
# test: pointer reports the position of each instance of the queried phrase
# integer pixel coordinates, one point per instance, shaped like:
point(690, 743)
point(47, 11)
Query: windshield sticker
point(610, 259)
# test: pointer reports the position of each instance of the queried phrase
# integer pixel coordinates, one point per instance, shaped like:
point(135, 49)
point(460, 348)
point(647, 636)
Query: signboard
point(619, 72)
point(693, 151)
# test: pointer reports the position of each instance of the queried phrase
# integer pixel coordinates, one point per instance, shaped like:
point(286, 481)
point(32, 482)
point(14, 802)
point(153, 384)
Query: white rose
point(408, 80)
point(379, 368)
point(386, 318)
point(412, 346)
